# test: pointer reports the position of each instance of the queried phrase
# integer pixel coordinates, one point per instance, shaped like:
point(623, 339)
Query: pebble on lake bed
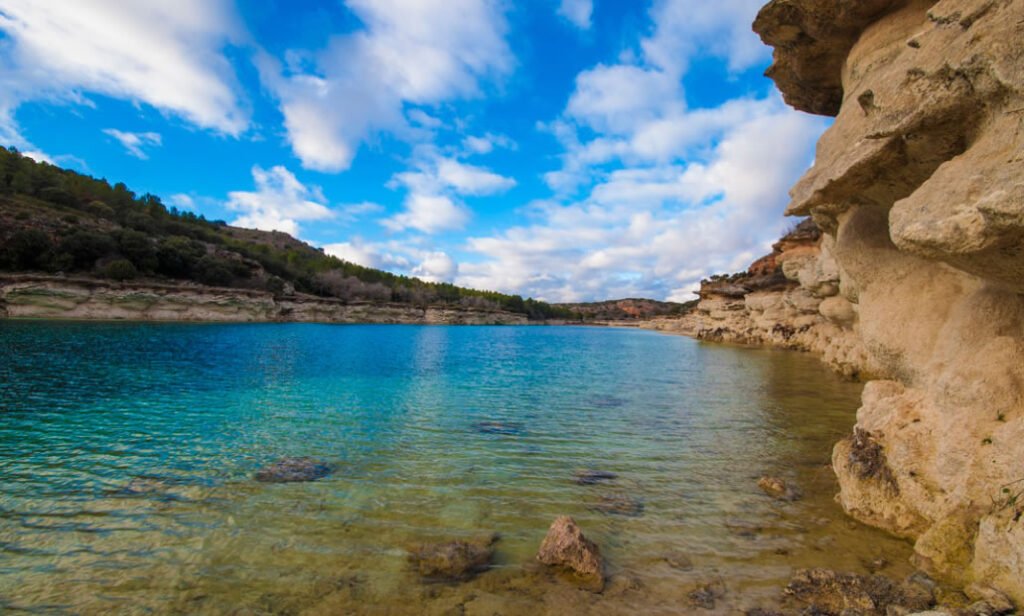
point(287, 470)
point(567, 548)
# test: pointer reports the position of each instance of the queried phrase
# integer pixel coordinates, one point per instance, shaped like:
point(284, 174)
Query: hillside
point(625, 309)
point(54, 220)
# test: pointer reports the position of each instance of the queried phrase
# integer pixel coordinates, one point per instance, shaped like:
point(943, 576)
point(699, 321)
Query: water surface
point(127, 453)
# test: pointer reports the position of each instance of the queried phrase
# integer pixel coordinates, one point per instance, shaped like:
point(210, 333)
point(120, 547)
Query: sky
point(568, 150)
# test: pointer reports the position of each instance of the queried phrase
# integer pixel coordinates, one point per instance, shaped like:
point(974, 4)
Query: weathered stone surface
point(452, 561)
point(566, 548)
point(832, 593)
point(919, 187)
point(288, 470)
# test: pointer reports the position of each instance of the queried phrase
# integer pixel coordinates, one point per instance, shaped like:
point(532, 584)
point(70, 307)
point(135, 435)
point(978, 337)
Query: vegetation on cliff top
point(56, 220)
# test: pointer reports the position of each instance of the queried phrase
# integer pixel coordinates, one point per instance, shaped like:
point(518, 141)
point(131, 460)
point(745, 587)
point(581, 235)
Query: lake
point(127, 456)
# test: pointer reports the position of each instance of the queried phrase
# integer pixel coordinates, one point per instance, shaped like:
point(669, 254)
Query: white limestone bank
point(46, 297)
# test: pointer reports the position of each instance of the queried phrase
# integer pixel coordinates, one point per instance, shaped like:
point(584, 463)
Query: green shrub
point(26, 249)
point(119, 269)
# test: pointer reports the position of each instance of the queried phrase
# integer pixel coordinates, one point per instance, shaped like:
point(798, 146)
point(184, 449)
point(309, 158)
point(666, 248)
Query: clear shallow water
point(127, 453)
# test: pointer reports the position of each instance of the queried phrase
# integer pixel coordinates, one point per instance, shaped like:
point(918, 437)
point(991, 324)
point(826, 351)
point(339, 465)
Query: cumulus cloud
point(146, 51)
point(279, 202)
point(435, 187)
point(419, 53)
point(577, 11)
point(656, 229)
point(409, 258)
point(135, 143)
point(436, 267)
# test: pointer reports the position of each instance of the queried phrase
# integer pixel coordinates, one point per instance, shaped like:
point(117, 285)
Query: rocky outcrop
point(788, 299)
point(566, 548)
point(53, 297)
point(918, 187)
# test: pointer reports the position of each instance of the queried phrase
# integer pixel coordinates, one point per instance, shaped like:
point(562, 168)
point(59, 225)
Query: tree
point(86, 247)
point(26, 250)
point(139, 249)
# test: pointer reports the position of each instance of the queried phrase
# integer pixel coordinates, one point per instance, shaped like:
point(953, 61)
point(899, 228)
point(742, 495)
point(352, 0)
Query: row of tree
point(57, 220)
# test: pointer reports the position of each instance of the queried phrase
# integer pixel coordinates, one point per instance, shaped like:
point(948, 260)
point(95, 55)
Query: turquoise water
point(127, 453)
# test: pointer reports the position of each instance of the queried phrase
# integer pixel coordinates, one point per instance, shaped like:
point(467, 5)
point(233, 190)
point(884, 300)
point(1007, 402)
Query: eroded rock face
point(566, 547)
point(919, 187)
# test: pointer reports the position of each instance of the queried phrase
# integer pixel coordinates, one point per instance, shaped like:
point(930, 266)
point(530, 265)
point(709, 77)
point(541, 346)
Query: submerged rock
point(287, 470)
point(827, 592)
point(499, 427)
point(453, 561)
point(705, 595)
point(589, 477)
point(566, 548)
point(619, 504)
point(778, 489)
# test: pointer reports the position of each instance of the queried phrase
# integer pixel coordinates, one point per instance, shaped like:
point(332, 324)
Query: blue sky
point(561, 149)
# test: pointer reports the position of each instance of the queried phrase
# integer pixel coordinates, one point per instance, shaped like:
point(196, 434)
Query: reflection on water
point(127, 453)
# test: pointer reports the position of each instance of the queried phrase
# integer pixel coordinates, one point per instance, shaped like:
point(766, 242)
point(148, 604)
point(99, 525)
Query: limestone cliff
point(52, 297)
point(919, 189)
point(788, 299)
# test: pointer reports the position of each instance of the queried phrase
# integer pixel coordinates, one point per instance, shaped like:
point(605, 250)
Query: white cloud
point(429, 214)
point(182, 201)
point(279, 202)
point(577, 11)
point(436, 267)
point(135, 142)
point(486, 144)
point(354, 252)
point(354, 211)
point(618, 98)
point(432, 203)
point(410, 53)
point(147, 51)
point(685, 29)
point(656, 229)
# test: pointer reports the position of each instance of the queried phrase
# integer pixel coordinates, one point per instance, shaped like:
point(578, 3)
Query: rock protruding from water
point(779, 489)
point(453, 561)
point(288, 470)
point(827, 592)
point(589, 477)
point(566, 548)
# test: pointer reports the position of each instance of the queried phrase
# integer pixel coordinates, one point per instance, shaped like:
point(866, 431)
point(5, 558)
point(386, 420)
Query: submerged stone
point(565, 547)
point(287, 470)
point(828, 592)
point(499, 427)
point(778, 489)
point(452, 561)
point(619, 504)
point(589, 477)
point(705, 595)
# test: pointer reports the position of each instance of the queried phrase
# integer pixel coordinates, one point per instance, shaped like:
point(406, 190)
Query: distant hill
point(625, 309)
point(56, 220)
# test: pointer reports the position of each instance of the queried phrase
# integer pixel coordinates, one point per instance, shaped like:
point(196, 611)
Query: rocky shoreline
point(56, 297)
point(914, 283)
